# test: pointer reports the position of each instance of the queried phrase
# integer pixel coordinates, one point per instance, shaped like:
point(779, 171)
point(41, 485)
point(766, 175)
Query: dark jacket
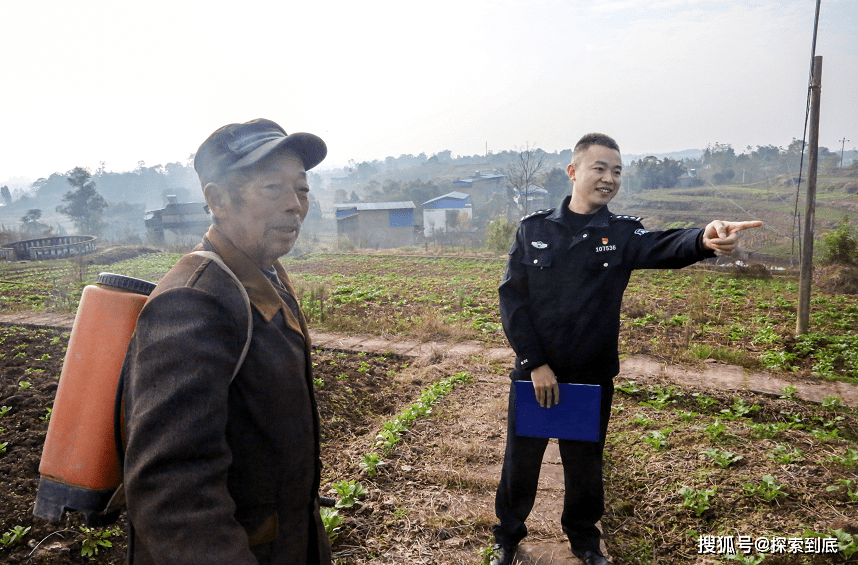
point(216, 471)
point(561, 295)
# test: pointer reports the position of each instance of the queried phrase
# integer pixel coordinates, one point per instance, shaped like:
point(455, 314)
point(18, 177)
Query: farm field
point(681, 463)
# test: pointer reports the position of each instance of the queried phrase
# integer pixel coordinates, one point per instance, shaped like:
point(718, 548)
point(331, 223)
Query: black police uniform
point(560, 305)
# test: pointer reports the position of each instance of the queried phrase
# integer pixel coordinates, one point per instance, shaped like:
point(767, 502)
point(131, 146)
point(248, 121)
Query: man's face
point(596, 179)
point(266, 225)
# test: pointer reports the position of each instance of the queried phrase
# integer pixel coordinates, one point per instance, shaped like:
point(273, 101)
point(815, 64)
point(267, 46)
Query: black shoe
point(504, 554)
point(591, 557)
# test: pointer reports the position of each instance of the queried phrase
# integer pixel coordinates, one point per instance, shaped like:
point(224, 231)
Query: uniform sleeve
point(514, 297)
point(669, 249)
point(177, 374)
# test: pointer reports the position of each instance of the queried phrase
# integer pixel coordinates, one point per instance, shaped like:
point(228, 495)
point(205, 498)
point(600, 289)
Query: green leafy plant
point(93, 540)
point(697, 500)
point(342, 376)
point(783, 456)
point(642, 419)
point(715, 430)
point(44, 357)
point(658, 438)
point(788, 392)
point(849, 484)
point(488, 553)
point(833, 403)
point(14, 536)
point(660, 398)
point(722, 458)
point(849, 459)
point(768, 489)
point(704, 401)
point(24, 384)
point(331, 520)
point(386, 439)
point(47, 415)
point(3, 446)
point(4, 410)
point(318, 382)
point(628, 388)
point(370, 463)
point(349, 491)
point(846, 543)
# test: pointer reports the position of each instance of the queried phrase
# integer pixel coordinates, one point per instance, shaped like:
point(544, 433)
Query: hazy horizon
point(121, 84)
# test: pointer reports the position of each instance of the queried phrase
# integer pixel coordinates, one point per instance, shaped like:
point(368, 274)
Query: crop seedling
point(832, 403)
point(4, 410)
point(852, 495)
point(768, 489)
point(697, 500)
point(660, 398)
point(370, 463)
point(715, 429)
point(386, 439)
point(318, 382)
point(788, 392)
point(331, 520)
point(658, 438)
point(47, 415)
point(849, 459)
point(722, 458)
point(642, 420)
point(93, 540)
point(741, 409)
point(704, 401)
point(783, 456)
point(488, 553)
point(688, 416)
point(24, 384)
point(342, 376)
point(14, 536)
point(629, 388)
point(349, 492)
point(846, 543)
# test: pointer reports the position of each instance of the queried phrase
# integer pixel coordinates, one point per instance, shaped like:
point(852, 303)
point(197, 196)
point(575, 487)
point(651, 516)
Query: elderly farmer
point(560, 306)
point(223, 466)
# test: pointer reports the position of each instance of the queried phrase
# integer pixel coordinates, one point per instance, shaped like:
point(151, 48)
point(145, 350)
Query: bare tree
point(523, 171)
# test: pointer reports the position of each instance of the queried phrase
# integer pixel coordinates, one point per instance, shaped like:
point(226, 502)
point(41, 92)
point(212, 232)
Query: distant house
point(376, 224)
point(481, 186)
point(446, 212)
point(177, 223)
point(537, 198)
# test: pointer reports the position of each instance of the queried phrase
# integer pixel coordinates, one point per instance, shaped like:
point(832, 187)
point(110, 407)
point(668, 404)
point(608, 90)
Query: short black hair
point(593, 139)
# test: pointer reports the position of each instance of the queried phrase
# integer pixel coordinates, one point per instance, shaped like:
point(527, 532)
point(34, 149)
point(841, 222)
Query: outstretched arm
point(722, 237)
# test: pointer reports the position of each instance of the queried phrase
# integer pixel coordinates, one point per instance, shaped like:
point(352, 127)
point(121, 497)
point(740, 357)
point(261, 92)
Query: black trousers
point(584, 498)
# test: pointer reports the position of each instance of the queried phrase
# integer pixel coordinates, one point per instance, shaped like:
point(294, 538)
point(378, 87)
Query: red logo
point(604, 241)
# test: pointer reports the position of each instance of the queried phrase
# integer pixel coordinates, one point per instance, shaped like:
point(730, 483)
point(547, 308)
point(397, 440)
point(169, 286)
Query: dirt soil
point(432, 502)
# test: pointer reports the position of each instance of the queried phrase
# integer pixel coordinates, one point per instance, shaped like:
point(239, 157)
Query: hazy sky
point(83, 82)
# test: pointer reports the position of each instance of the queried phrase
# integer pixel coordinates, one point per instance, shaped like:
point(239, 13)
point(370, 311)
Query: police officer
point(560, 306)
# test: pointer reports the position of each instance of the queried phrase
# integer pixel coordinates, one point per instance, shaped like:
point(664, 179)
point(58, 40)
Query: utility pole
point(803, 317)
point(842, 145)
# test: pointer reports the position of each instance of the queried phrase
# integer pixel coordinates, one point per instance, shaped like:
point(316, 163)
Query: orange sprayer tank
point(80, 466)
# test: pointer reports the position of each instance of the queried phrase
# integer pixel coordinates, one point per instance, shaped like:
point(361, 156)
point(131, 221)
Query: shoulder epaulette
point(544, 212)
point(629, 218)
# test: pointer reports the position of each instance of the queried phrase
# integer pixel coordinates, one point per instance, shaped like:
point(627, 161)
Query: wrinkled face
point(275, 202)
point(596, 179)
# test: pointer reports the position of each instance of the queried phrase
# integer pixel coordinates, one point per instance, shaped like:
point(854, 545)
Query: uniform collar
point(259, 288)
point(600, 218)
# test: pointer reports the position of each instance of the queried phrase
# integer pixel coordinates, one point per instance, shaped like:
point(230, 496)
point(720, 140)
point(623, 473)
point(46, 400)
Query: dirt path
point(641, 368)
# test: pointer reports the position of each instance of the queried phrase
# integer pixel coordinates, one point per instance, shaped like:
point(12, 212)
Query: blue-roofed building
point(446, 212)
point(376, 224)
point(482, 186)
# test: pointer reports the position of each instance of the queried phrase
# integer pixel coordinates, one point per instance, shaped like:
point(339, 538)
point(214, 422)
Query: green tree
point(4, 192)
point(840, 245)
point(31, 224)
point(84, 206)
point(500, 234)
point(556, 182)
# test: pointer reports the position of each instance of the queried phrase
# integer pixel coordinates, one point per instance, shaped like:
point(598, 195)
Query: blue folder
point(575, 417)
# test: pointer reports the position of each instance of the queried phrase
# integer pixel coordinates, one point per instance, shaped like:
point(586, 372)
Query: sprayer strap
point(216, 258)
